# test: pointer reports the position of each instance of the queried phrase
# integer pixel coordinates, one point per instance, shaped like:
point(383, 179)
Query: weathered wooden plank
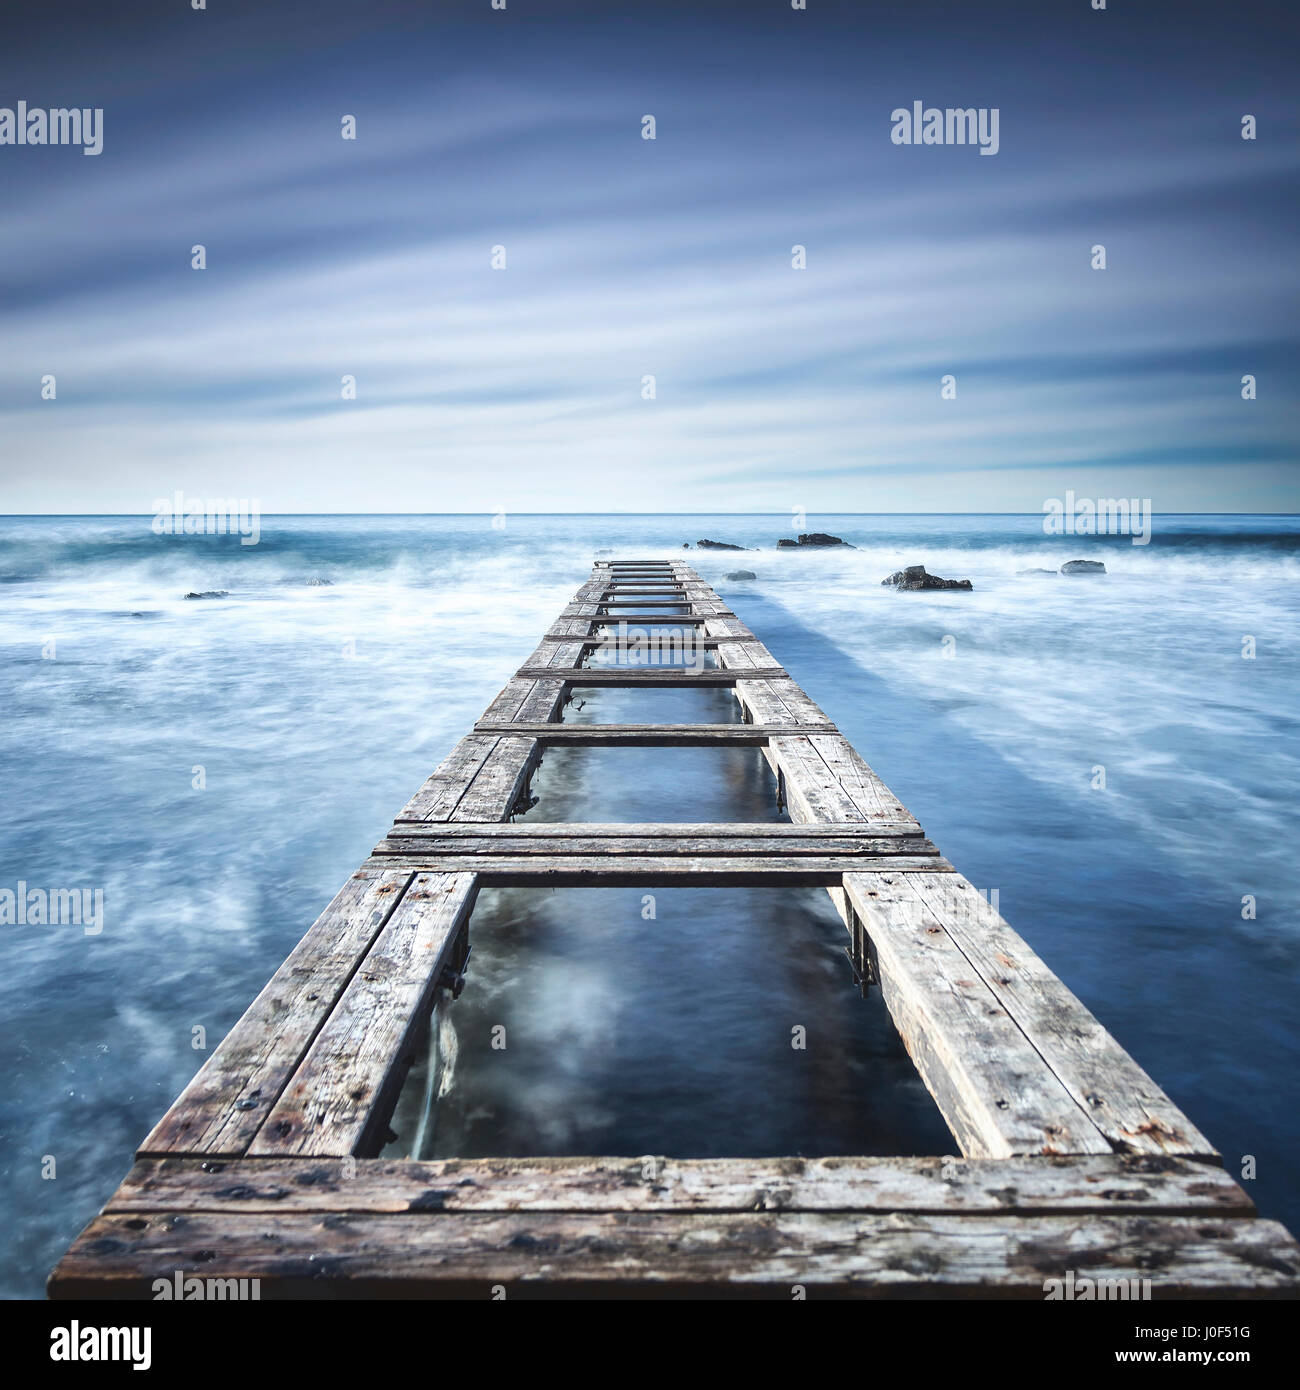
point(745, 654)
point(728, 628)
point(753, 1253)
point(779, 702)
point(656, 619)
point(994, 1090)
point(745, 657)
point(442, 792)
point(1121, 1099)
point(627, 588)
point(803, 707)
point(398, 841)
point(761, 704)
point(543, 702)
point(222, 1108)
point(642, 676)
point(667, 832)
point(565, 628)
point(345, 1084)
point(561, 654)
point(1111, 1185)
point(506, 706)
point(481, 779)
point(825, 779)
point(630, 870)
point(646, 735)
point(497, 786)
point(552, 652)
point(592, 643)
point(858, 781)
point(810, 788)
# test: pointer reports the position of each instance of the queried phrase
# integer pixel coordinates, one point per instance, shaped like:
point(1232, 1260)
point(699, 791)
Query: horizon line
point(28, 516)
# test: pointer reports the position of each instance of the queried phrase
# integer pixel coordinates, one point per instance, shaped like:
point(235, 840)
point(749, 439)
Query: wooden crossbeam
point(708, 644)
point(1091, 1185)
point(668, 836)
point(646, 735)
point(647, 619)
point(653, 1254)
point(664, 601)
point(641, 676)
point(630, 870)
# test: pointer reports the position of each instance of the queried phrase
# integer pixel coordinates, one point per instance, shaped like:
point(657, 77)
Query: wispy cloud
point(522, 388)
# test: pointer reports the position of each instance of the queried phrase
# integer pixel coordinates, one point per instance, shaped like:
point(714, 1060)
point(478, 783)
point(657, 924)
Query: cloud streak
point(522, 388)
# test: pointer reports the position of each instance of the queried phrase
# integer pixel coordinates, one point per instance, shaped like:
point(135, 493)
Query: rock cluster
point(814, 538)
point(915, 577)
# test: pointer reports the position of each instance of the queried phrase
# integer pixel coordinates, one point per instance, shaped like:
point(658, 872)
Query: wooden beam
point(759, 1254)
point(536, 700)
point(826, 779)
point(645, 735)
point(223, 1107)
point(1120, 1098)
point(611, 838)
point(666, 834)
point(480, 779)
point(622, 598)
point(708, 644)
point(650, 620)
point(602, 869)
point(339, 1097)
point(1110, 1185)
point(994, 1089)
point(641, 676)
point(780, 702)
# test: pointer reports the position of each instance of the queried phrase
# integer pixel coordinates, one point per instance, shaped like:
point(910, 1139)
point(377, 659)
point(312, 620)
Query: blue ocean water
point(218, 766)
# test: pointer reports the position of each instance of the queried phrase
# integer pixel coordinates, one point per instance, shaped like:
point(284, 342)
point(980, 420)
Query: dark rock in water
point(814, 538)
point(742, 574)
point(686, 545)
point(821, 538)
point(1083, 567)
point(209, 593)
point(1053, 572)
point(718, 545)
point(914, 577)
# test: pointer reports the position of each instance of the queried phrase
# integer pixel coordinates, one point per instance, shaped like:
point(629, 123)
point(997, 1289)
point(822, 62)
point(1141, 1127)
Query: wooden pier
point(1072, 1158)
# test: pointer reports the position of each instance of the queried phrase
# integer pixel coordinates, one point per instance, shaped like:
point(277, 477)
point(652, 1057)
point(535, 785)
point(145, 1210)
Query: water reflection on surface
point(670, 1035)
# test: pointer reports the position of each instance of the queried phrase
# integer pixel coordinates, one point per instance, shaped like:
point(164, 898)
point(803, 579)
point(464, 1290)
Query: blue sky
point(521, 388)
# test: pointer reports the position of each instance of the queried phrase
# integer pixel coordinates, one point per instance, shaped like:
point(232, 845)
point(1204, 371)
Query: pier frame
point(1071, 1157)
